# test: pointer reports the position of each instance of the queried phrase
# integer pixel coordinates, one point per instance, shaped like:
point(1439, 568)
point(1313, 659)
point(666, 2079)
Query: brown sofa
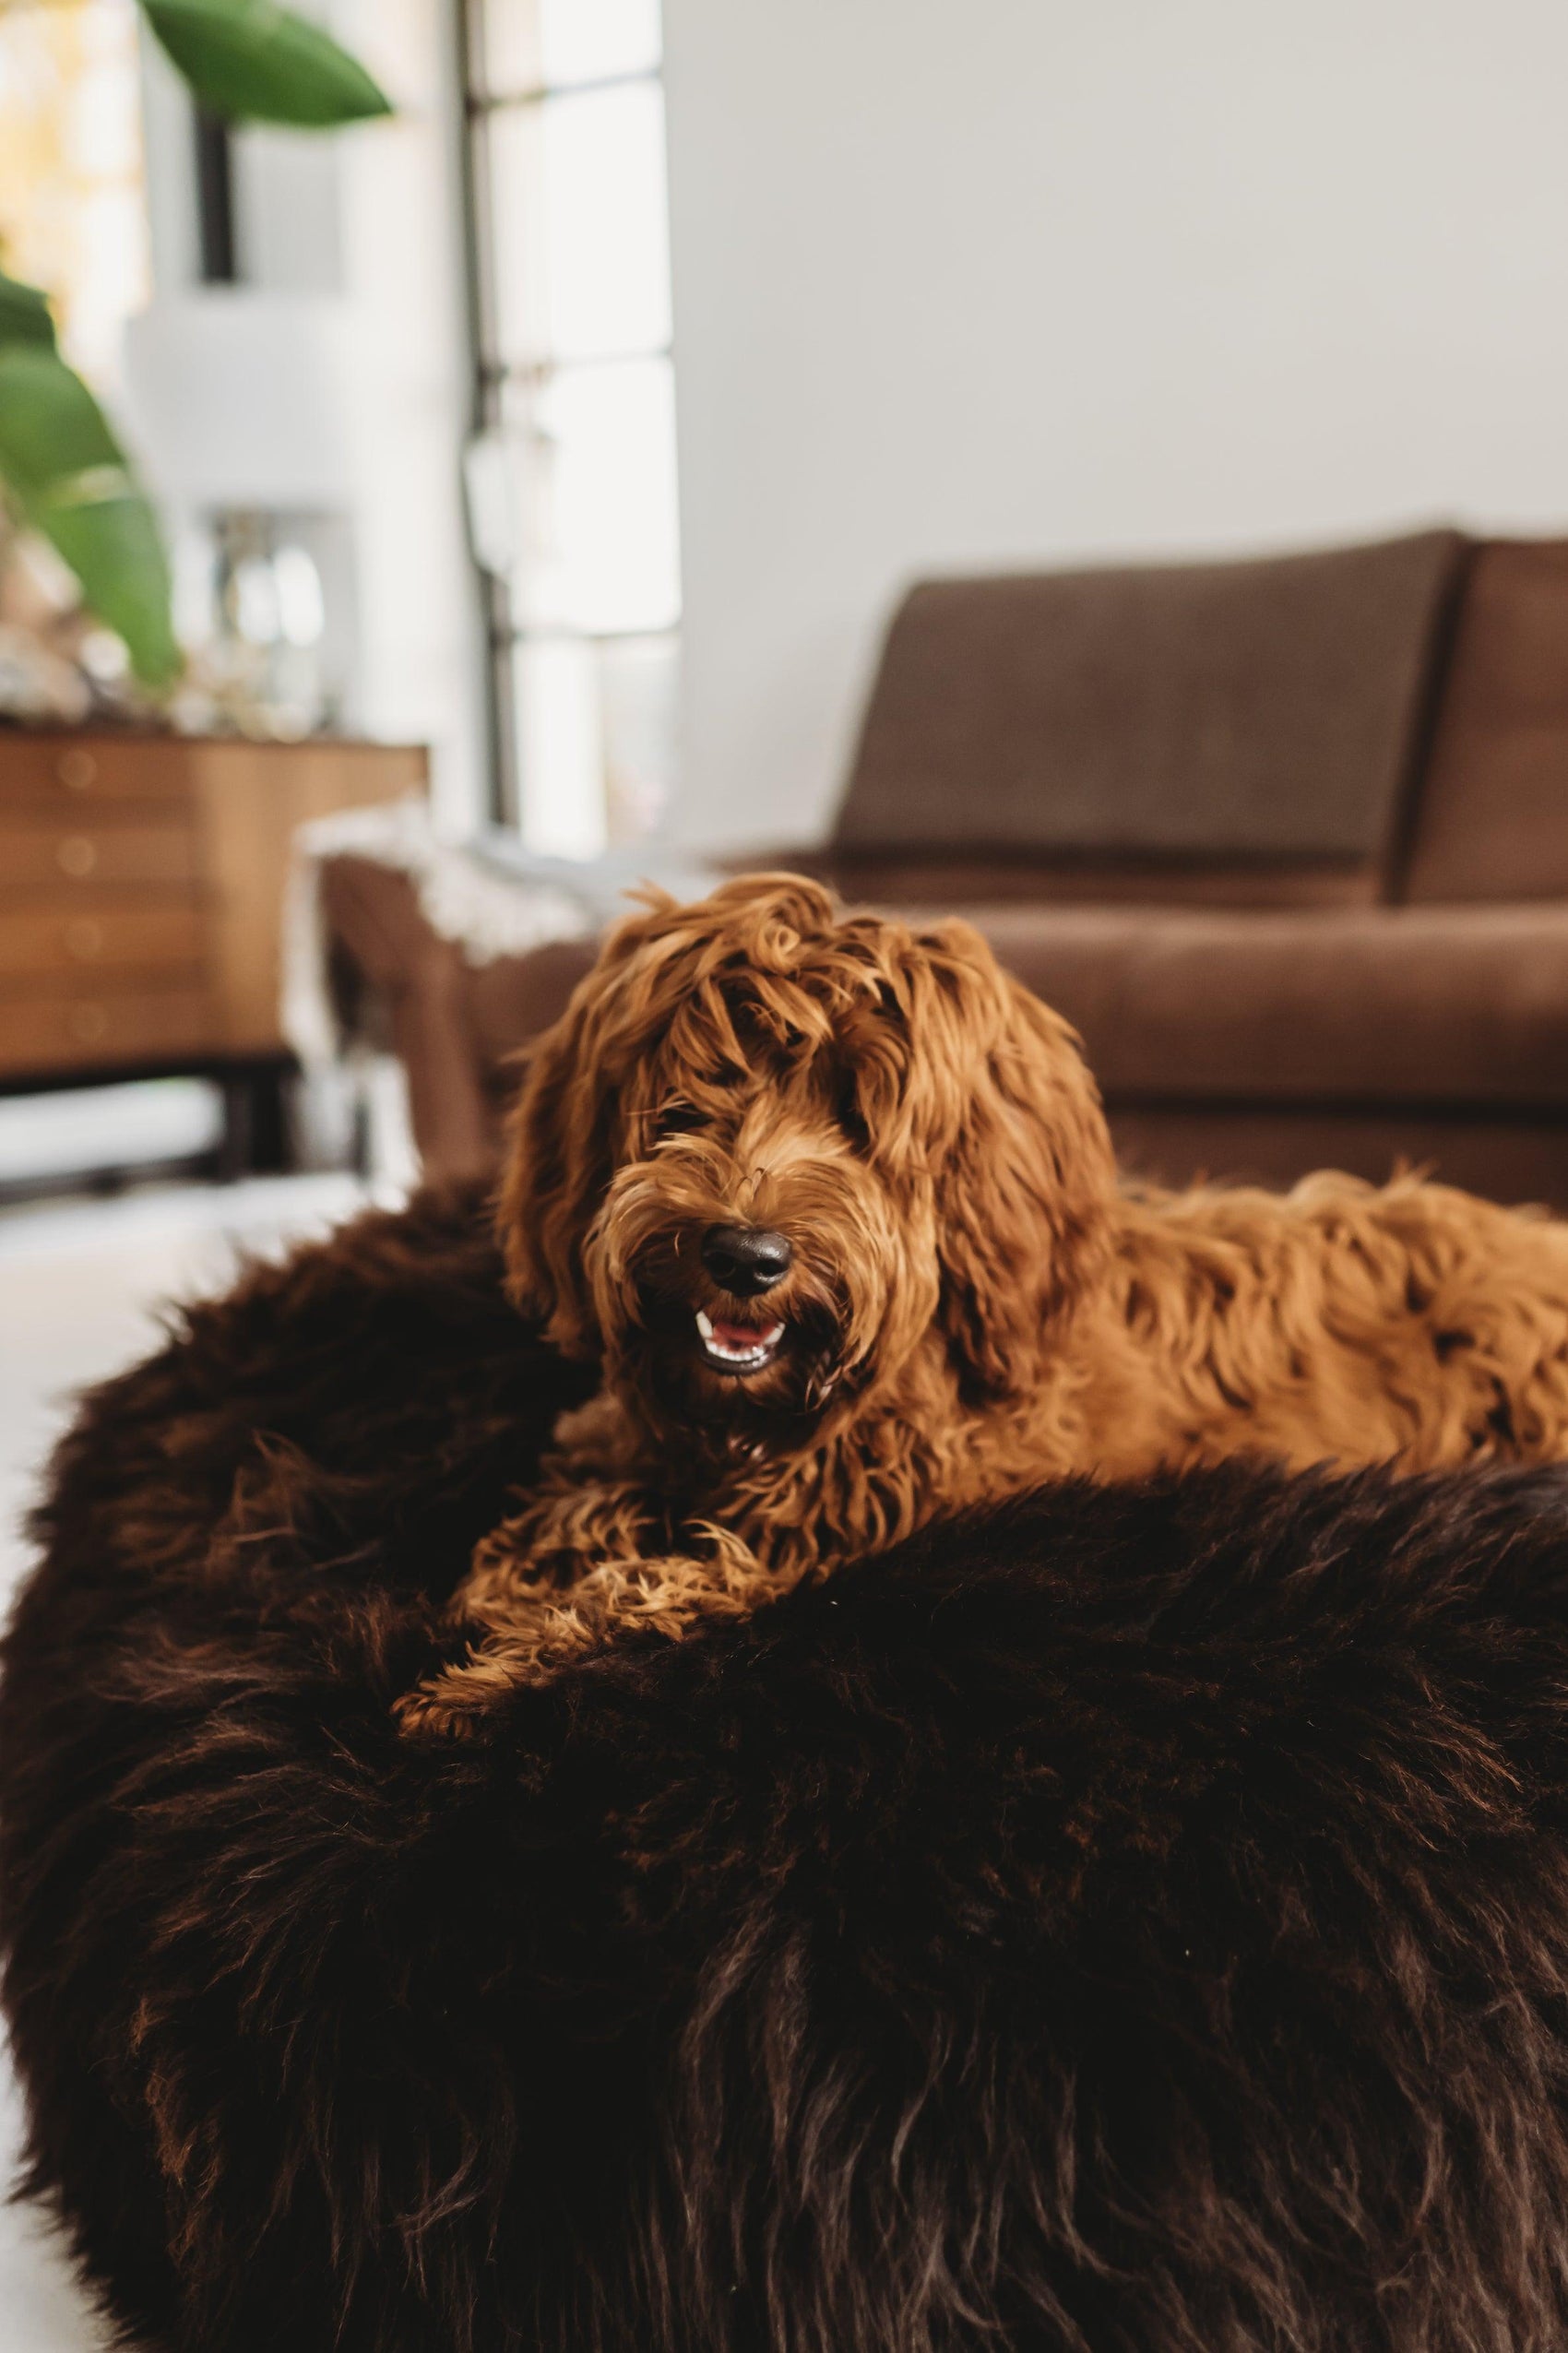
point(1286, 840)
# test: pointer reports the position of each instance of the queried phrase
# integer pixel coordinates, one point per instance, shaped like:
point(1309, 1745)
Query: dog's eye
point(679, 1119)
point(847, 1110)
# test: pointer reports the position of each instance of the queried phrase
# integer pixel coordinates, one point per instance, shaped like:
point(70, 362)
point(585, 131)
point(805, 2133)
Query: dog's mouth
point(739, 1349)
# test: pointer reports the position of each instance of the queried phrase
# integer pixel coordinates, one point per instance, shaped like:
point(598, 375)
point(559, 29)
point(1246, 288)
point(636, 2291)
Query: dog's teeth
point(756, 1351)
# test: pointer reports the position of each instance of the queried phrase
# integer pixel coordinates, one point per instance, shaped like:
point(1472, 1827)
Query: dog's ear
point(1024, 1175)
point(560, 1138)
point(556, 1171)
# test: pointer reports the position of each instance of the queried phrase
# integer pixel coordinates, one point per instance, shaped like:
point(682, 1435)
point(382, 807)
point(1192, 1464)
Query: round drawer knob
point(84, 939)
point(76, 769)
point(88, 1023)
point(76, 855)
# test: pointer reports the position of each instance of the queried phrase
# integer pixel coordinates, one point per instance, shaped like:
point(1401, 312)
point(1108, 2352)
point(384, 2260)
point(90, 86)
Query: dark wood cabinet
point(141, 892)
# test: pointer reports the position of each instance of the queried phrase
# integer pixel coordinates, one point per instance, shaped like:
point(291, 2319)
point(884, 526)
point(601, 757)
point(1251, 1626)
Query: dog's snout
point(745, 1259)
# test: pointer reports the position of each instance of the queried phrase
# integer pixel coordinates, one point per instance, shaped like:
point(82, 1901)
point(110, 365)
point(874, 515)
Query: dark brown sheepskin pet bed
point(1134, 1921)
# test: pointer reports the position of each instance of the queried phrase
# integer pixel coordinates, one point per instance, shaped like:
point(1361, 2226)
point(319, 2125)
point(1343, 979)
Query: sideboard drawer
point(55, 852)
point(142, 887)
point(65, 1029)
point(76, 933)
point(77, 771)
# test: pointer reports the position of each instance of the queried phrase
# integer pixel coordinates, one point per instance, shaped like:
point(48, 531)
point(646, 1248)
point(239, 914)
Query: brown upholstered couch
point(1287, 840)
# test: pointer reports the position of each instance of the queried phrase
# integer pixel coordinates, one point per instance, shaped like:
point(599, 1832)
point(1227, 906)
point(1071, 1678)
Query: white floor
point(80, 1290)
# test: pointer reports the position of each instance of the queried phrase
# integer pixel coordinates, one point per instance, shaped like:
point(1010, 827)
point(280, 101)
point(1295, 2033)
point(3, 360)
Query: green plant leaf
point(51, 427)
point(25, 316)
point(250, 60)
point(70, 479)
point(111, 542)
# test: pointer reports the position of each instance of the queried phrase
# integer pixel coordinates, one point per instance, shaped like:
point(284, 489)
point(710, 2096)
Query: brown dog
point(833, 1203)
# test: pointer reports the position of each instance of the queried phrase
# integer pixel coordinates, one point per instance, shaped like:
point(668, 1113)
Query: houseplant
point(63, 471)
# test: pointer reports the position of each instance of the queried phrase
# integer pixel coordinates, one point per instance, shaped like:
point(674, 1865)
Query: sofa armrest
point(460, 1028)
point(419, 985)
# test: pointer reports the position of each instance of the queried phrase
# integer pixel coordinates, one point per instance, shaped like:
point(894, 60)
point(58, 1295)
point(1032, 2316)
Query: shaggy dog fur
point(970, 1303)
point(1133, 1920)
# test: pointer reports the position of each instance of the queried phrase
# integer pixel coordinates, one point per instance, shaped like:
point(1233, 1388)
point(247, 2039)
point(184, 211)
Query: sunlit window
point(73, 217)
point(571, 482)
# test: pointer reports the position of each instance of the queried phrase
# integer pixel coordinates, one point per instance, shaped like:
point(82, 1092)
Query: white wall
point(351, 248)
point(974, 283)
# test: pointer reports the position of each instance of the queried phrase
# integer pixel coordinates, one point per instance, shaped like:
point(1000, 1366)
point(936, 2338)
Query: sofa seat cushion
point(948, 878)
point(1349, 1005)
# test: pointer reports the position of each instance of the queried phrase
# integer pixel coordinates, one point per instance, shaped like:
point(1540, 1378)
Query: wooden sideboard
point(141, 887)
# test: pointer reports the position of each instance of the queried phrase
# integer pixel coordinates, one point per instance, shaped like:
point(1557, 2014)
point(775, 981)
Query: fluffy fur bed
point(1134, 1921)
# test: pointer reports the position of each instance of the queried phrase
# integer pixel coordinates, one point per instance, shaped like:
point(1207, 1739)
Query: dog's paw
point(427, 1713)
point(452, 1704)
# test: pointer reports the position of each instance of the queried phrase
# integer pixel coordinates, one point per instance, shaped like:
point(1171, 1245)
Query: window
point(571, 477)
point(72, 208)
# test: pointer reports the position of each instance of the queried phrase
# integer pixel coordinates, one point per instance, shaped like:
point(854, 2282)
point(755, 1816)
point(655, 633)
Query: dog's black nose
point(745, 1259)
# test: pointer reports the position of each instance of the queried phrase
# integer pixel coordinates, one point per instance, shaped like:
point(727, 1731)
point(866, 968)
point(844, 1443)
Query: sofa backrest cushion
point(1494, 817)
point(1269, 710)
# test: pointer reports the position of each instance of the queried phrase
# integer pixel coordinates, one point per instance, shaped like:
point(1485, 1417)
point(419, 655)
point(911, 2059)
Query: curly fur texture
point(973, 1304)
point(1129, 1919)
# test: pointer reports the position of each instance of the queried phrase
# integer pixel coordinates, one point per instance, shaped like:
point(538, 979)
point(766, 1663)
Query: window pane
point(639, 681)
point(582, 259)
point(72, 200)
point(596, 728)
point(560, 748)
point(533, 43)
point(596, 450)
point(580, 460)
